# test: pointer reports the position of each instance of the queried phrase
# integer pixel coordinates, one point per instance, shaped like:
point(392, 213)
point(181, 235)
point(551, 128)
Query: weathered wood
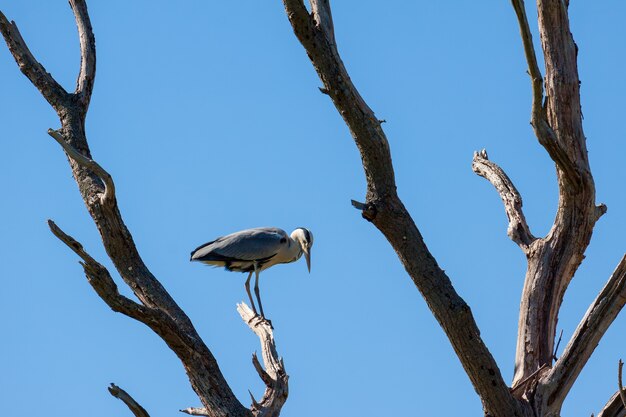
point(557, 121)
point(274, 375)
point(518, 229)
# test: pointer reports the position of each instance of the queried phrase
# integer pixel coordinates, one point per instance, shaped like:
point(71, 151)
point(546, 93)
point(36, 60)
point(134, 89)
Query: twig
point(518, 229)
point(196, 411)
point(255, 405)
point(620, 387)
point(358, 205)
point(133, 405)
point(556, 349)
point(523, 382)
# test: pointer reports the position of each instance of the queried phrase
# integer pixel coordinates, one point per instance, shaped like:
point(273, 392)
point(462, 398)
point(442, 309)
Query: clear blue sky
point(209, 118)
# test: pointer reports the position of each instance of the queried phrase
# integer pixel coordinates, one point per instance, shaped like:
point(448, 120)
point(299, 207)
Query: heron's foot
point(260, 319)
point(268, 322)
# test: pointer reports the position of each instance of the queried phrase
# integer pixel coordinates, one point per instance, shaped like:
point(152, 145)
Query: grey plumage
point(239, 251)
point(254, 250)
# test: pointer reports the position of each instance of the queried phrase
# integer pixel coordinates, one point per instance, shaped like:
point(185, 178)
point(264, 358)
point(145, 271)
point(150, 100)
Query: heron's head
point(304, 237)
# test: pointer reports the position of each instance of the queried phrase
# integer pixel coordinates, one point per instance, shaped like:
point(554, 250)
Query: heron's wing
point(247, 245)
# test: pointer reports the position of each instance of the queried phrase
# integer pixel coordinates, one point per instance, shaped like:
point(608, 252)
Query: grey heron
point(255, 250)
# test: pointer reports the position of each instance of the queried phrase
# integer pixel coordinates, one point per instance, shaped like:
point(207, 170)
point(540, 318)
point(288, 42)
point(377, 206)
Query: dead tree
point(539, 387)
point(156, 308)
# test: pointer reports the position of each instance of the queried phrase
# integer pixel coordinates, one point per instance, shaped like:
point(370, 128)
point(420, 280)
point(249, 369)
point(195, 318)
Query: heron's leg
point(250, 295)
point(256, 290)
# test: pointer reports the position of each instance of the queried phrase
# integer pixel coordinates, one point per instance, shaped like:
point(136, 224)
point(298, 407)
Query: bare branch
point(601, 313)
point(518, 229)
point(87, 74)
point(133, 405)
point(30, 67)
point(274, 376)
point(531, 58)
point(543, 131)
point(109, 191)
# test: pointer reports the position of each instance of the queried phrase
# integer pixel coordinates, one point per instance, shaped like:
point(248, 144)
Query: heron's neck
point(294, 250)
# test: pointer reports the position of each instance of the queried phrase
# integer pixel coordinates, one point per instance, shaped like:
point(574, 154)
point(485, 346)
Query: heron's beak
point(307, 256)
